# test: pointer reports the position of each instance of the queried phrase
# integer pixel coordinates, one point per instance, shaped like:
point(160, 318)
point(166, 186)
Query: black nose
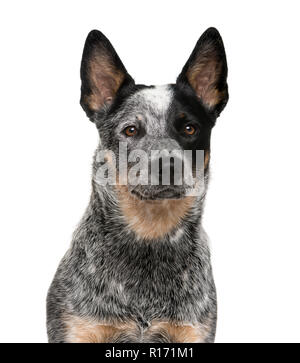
point(168, 172)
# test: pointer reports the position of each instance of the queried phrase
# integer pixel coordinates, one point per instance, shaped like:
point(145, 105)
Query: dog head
point(154, 124)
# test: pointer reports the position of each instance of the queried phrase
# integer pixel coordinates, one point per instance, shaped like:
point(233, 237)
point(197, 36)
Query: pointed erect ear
point(206, 72)
point(102, 74)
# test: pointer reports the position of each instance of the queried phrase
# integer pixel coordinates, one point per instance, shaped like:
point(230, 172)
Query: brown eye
point(130, 131)
point(189, 129)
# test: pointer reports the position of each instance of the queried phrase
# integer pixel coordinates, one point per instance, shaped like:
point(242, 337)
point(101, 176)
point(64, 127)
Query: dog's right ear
point(102, 74)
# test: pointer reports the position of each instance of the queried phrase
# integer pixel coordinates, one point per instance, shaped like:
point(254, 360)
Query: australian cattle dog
point(138, 268)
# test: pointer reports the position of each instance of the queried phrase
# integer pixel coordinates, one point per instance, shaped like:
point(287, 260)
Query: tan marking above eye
point(189, 129)
point(130, 131)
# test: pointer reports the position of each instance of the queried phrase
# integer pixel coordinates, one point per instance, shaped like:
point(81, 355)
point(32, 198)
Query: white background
point(252, 209)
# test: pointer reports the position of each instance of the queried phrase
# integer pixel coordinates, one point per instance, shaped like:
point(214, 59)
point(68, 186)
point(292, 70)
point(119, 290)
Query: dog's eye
point(189, 130)
point(130, 131)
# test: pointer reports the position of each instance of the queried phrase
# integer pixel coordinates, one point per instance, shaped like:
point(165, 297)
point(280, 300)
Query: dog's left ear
point(206, 72)
point(102, 74)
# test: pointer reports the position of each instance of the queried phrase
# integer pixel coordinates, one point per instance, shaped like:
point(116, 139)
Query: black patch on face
point(187, 110)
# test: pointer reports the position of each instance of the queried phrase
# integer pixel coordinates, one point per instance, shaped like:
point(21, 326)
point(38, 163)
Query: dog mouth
point(159, 194)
